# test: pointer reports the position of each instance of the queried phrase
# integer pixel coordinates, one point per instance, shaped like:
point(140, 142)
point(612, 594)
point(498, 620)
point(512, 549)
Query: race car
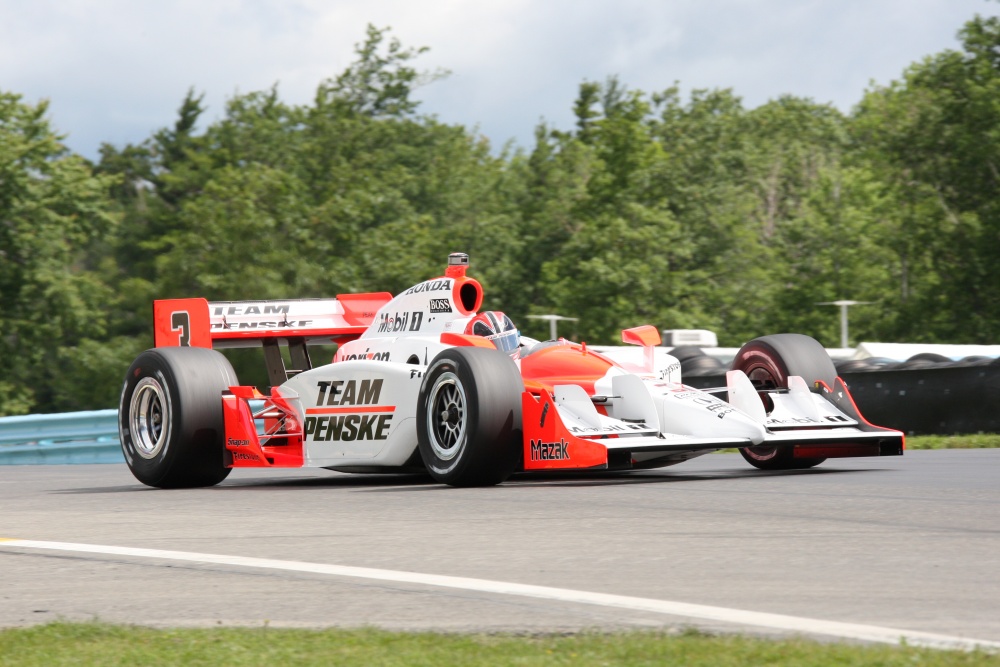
point(427, 381)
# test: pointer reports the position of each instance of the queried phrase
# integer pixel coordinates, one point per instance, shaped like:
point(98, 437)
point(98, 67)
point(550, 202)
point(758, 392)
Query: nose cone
point(741, 425)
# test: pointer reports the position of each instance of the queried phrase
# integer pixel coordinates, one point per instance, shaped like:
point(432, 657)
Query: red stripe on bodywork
point(352, 410)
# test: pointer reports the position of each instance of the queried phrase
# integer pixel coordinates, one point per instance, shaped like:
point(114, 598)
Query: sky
point(116, 71)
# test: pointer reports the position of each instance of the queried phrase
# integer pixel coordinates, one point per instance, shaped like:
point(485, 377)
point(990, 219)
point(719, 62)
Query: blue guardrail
point(72, 437)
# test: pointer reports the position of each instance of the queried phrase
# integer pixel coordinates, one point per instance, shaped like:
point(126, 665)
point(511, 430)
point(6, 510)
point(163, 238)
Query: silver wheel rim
point(447, 416)
point(148, 422)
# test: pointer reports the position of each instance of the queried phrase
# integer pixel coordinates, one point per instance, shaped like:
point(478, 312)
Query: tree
point(52, 209)
point(933, 137)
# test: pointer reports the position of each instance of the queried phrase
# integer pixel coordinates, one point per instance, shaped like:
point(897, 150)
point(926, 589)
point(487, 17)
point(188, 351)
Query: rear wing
point(292, 322)
point(221, 324)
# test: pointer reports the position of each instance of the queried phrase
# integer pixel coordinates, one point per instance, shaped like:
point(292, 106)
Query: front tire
point(769, 361)
point(170, 420)
point(469, 417)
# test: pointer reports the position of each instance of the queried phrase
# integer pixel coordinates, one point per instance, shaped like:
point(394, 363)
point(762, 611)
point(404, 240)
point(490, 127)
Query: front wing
point(555, 438)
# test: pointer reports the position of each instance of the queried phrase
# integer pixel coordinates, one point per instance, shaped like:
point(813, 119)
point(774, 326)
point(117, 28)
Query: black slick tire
point(769, 361)
point(170, 418)
point(469, 417)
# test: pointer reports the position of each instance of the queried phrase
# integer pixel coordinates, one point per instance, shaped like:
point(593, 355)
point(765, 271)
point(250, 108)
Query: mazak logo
point(440, 306)
point(438, 285)
point(400, 322)
point(549, 451)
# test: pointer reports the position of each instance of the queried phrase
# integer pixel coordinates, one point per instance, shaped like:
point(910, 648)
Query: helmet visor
point(506, 341)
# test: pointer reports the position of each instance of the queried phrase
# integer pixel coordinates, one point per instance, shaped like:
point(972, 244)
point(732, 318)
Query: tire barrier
point(928, 394)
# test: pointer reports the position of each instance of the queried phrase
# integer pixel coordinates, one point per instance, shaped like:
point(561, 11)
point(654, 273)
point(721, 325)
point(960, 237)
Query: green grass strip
point(976, 441)
point(61, 643)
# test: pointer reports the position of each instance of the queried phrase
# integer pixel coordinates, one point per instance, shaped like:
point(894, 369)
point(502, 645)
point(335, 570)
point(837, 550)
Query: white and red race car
point(425, 381)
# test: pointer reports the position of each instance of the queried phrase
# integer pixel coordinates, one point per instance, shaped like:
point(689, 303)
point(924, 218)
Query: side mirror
point(647, 336)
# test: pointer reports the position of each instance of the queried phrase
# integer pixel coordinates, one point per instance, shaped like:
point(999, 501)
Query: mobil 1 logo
point(396, 322)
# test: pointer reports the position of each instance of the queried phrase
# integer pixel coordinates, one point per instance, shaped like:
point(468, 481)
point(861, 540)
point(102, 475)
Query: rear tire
point(170, 418)
point(469, 417)
point(768, 361)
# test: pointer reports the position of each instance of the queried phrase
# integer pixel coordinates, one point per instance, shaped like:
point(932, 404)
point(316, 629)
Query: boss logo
point(440, 306)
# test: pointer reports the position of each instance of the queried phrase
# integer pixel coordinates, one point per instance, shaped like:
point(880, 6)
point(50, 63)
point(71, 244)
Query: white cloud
point(116, 70)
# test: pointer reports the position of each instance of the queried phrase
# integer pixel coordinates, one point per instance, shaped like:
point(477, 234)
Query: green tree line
point(682, 212)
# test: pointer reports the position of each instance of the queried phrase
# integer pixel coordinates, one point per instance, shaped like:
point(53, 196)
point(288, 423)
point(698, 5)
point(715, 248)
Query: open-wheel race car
point(426, 381)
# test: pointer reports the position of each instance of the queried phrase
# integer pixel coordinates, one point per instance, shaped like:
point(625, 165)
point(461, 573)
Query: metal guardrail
point(89, 425)
point(73, 437)
point(70, 437)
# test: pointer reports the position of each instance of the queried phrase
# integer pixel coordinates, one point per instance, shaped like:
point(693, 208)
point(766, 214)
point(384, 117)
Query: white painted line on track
point(854, 631)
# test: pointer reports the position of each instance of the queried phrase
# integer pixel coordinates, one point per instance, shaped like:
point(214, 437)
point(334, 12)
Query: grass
point(96, 643)
point(976, 441)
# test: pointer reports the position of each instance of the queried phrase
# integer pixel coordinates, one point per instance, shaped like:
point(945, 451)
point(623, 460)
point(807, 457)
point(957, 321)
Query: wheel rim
point(447, 416)
point(149, 424)
point(760, 453)
point(763, 377)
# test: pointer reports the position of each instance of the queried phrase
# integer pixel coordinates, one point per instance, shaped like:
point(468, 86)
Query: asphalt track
point(900, 544)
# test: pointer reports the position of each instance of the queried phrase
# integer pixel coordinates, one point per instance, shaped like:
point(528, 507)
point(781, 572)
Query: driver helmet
point(497, 328)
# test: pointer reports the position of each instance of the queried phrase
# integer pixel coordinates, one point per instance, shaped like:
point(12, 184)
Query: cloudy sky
point(116, 70)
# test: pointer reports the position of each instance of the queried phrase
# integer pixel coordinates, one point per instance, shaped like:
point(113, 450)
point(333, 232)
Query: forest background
point(653, 209)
